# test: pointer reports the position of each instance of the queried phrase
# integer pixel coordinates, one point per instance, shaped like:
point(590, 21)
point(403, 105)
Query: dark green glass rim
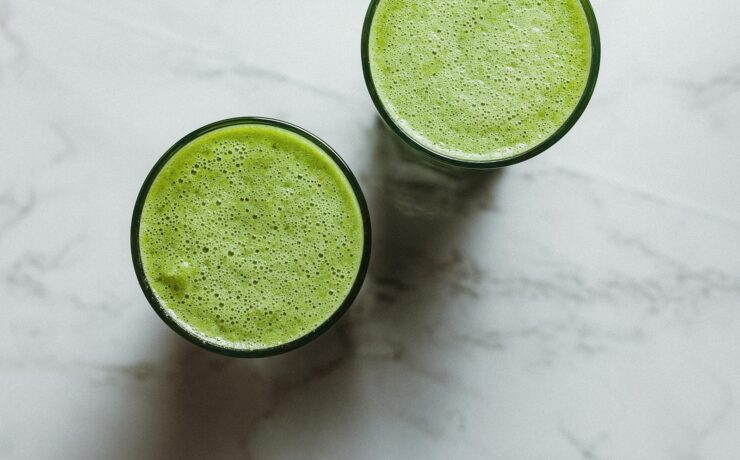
point(491, 164)
point(147, 289)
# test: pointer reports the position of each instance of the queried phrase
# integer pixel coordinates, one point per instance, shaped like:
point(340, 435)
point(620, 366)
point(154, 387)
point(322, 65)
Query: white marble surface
point(582, 305)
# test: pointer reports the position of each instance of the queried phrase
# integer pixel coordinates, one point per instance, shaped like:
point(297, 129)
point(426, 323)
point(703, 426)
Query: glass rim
point(580, 107)
point(210, 345)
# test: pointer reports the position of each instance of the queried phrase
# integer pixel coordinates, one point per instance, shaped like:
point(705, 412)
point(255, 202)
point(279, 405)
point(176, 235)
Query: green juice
point(251, 237)
point(479, 80)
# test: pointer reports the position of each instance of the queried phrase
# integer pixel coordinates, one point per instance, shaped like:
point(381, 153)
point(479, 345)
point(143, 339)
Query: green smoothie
point(479, 80)
point(251, 237)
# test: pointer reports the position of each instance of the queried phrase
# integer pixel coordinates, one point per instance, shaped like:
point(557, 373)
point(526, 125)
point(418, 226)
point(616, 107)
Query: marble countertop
point(582, 305)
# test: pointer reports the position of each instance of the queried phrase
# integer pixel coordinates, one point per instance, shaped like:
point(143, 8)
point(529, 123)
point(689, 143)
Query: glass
point(487, 164)
point(159, 308)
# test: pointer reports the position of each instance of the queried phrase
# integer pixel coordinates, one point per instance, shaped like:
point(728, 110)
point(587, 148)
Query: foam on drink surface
point(251, 237)
point(480, 79)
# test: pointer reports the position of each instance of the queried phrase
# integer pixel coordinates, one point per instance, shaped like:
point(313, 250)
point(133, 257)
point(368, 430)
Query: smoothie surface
point(251, 237)
point(479, 80)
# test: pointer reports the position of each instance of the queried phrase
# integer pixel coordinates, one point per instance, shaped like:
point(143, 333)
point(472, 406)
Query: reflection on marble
point(582, 305)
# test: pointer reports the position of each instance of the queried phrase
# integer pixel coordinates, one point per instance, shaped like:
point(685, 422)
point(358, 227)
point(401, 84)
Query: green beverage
point(480, 81)
point(250, 237)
